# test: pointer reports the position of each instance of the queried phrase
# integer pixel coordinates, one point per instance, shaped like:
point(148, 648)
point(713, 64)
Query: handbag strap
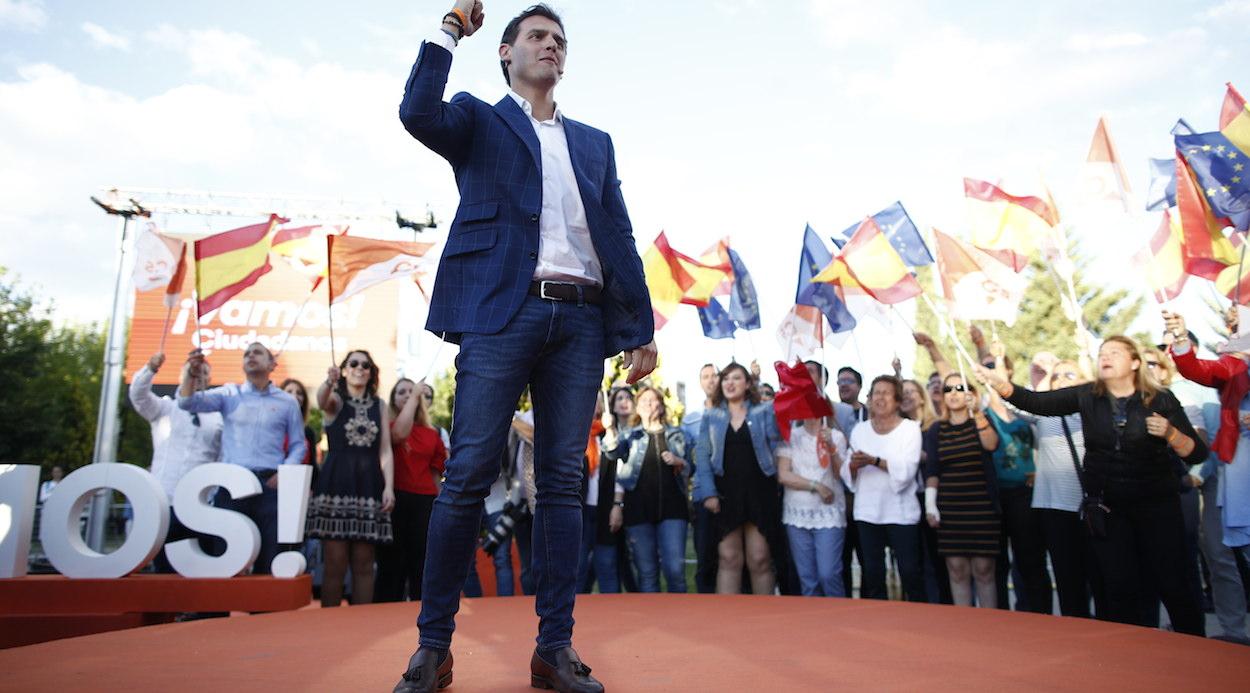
point(1076, 462)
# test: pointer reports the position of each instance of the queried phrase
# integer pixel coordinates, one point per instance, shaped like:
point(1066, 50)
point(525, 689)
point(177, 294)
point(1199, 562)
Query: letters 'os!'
point(64, 546)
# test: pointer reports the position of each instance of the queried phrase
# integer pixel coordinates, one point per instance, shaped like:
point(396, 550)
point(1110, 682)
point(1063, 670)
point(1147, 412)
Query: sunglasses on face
point(955, 388)
point(358, 364)
point(846, 381)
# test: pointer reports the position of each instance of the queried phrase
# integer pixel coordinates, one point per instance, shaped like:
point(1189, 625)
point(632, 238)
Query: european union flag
point(814, 258)
point(716, 322)
point(744, 305)
point(1221, 171)
point(1162, 192)
point(901, 232)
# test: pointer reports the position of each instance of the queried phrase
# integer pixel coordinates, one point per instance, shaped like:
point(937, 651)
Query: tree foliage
point(50, 386)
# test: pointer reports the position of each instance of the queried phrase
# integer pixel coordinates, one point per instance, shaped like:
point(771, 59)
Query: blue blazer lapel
point(511, 112)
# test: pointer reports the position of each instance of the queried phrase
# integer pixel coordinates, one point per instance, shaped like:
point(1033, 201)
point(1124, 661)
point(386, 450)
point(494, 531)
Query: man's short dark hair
point(859, 379)
point(514, 27)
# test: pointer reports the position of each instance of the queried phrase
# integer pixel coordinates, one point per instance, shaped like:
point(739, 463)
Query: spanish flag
point(674, 278)
point(1206, 251)
point(231, 261)
point(1235, 119)
point(304, 248)
point(1006, 226)
point(872, 264)
point(1163, 260)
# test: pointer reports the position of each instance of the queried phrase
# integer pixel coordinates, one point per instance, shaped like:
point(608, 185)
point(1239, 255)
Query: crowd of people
point(1115, 486)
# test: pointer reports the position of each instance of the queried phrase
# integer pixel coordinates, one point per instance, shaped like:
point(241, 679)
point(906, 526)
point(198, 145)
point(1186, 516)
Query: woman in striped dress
point(960, 492)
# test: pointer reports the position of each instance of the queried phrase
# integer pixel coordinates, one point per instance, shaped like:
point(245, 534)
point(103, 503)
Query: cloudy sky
point(745, 119)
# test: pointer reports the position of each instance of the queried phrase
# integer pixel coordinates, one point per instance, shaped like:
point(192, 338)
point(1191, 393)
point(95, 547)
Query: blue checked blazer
point(492, 247)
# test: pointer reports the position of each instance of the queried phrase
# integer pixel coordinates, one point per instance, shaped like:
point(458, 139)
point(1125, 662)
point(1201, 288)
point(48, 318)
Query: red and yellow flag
point(1206, 251)
point(1008, 227)
point(304, 247)
point(229, 262)
point(873, 265)
point(1163, 261)
point(674, 278)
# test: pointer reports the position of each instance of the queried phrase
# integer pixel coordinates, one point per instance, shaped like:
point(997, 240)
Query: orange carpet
point(646, 643)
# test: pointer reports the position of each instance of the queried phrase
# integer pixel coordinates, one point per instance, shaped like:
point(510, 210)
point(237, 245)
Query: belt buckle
point(542, 290)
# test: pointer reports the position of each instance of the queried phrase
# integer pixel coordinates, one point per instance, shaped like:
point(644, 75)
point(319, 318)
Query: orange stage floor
point(645, 643)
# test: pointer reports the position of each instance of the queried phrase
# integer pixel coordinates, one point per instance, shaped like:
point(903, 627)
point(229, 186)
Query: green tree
point(1042, 324)
point(444, 398)
point(50, 380)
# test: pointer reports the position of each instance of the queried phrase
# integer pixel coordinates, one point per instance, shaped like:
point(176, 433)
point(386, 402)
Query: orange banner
point(264, 312)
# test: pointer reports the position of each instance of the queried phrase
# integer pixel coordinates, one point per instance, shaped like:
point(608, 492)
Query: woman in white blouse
point(814, 507)
point(885, 455)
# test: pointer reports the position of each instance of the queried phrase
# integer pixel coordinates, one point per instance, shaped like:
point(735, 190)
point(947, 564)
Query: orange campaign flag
point(1206, 251)
point(874, 265)
point(355, 264)
point(173, 290)
point(1008, 227)
point(1163, 261)
point(1234, 107)
point(977, 285)
point(1103, 177)
point(229, 262)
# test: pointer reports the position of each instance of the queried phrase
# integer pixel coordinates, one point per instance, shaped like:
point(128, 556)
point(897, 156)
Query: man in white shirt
point(181, 441)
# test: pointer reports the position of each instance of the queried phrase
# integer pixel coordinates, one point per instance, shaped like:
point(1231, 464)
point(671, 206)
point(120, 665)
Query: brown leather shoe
point(425, 674)
point(568, 675)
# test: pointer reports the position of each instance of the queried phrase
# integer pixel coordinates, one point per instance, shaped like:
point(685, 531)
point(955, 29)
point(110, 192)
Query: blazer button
point(534, 218)
point(533, 256)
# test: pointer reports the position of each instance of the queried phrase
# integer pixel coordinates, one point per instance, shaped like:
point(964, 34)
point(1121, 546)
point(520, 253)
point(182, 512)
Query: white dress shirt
point(565, 250)
point(178, 444)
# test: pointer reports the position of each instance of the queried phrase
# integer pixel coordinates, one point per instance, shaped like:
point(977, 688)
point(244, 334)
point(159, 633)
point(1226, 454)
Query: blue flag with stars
point(1221, 169)
point(716, 322)
point(900, 231)
point(744, 305)
point(814, 258)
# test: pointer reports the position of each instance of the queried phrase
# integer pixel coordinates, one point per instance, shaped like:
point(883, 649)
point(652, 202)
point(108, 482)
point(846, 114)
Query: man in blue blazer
point(539, 282)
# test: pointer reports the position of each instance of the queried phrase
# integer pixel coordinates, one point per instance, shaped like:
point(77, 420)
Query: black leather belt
point(566, 293)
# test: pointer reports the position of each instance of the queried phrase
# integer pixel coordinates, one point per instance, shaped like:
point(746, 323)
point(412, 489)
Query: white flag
point(800, 333)
point(156, 258)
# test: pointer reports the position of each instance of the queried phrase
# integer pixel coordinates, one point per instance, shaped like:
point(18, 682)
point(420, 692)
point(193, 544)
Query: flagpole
point(195, 298)
point(1241, 261)
point(287, 335)
point(330, 314)
point(169, 310)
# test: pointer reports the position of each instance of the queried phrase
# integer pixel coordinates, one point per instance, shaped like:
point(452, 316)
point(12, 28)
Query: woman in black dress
point(351, 504)
point(1130, 427)
point(960, 493)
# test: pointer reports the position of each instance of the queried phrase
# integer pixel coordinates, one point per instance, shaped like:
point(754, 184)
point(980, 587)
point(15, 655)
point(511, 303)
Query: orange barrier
point(646, 643)
point(37, 608)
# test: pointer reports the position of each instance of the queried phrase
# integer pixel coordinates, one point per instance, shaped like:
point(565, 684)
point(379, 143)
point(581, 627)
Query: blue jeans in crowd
point(505, 579)
point(657, 546)
point(261, 509)
point(557, 350)
point(817, 555)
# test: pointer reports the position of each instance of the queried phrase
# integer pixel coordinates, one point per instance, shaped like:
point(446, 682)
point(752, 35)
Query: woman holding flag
point(1132, 507)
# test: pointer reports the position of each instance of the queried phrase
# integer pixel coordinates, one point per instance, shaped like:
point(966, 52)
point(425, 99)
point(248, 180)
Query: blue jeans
point(585, 552)
point(505, 580)
point(656, 545)
point(556, 349)
point(261, 509)
point(817, 555)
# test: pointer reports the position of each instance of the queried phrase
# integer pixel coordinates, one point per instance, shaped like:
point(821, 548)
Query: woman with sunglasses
point(1130, 426)
point(351, 504)
point(419, 455)
point(961, 493)
point(1057, 501)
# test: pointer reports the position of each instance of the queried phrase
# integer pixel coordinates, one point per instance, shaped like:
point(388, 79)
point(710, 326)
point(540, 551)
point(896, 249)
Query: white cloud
point(1085, 43)
point(1227, 9)
point(23, 15)
point(103, 38)
point(243, 119)
point(846, 22)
